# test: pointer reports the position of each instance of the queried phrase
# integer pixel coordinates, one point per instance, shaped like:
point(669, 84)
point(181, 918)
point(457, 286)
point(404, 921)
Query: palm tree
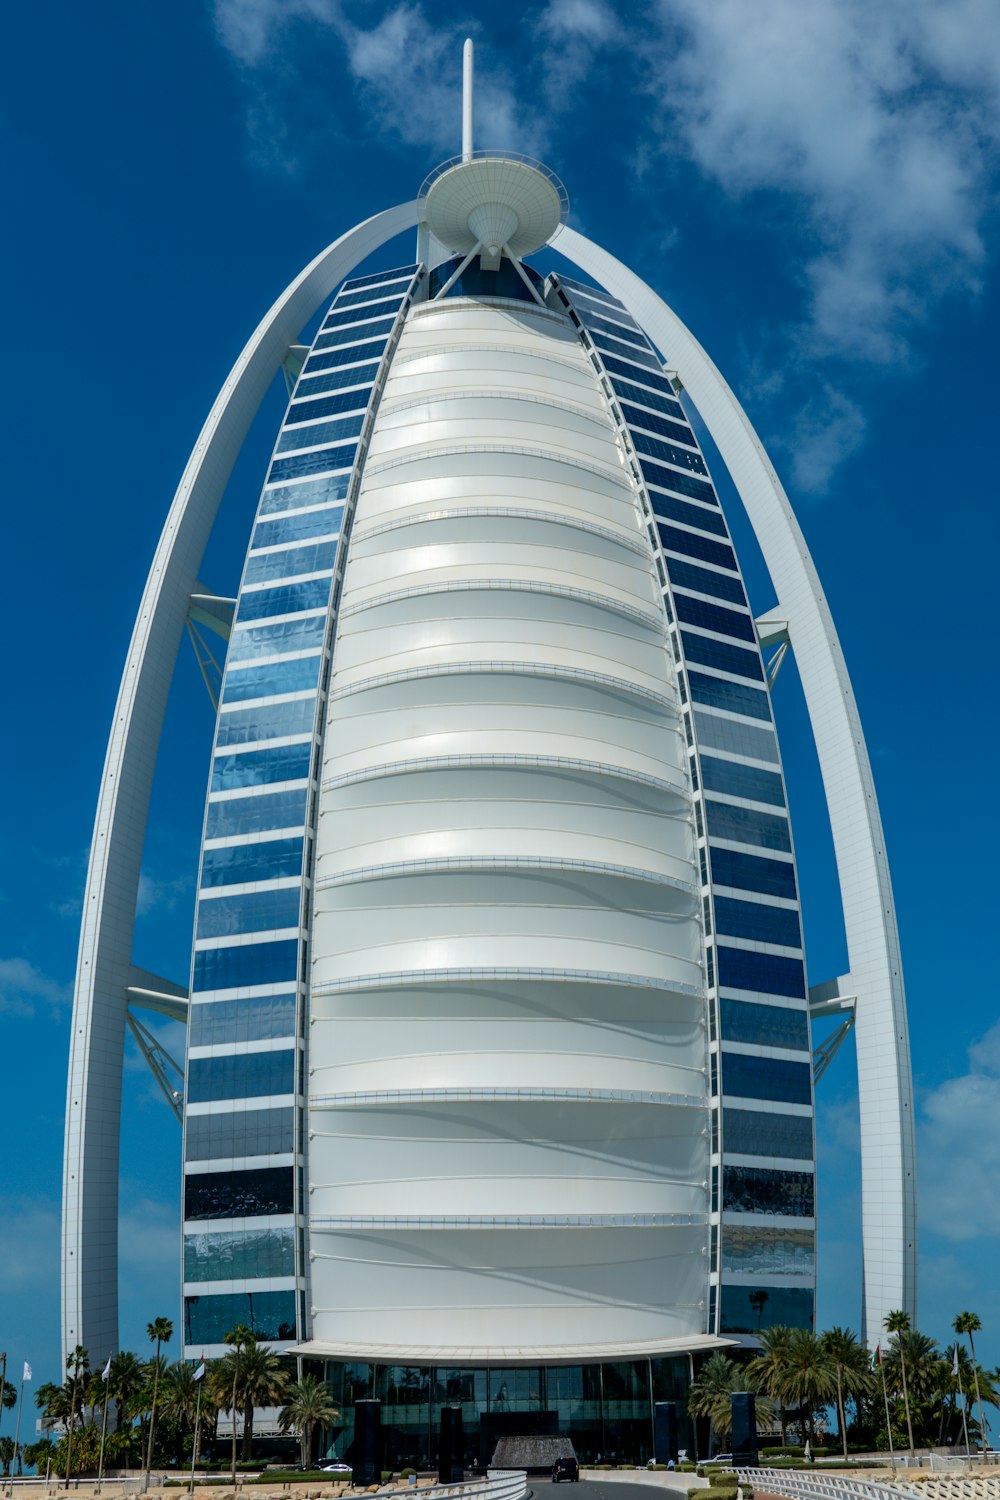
point(180, 1399)
point(969, 1323)
point(159, 1332)
point(77, 1366)
point(263, 1381)
point(811, 1378)
point(226, 1376)
point(308, 1406)
point(125, 1382)
point(898, 1323)
point(849, 1359)
point(6, 1454)
point(769, 1370)
point(711, 1394)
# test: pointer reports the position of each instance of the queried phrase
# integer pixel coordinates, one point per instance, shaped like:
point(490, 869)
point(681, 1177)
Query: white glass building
point(499, 1063)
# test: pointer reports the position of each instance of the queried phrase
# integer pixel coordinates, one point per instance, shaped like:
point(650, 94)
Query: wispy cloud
point(24, 988)
point(959, 1147)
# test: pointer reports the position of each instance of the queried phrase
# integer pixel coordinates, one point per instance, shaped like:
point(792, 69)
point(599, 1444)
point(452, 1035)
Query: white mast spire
point(468, 83)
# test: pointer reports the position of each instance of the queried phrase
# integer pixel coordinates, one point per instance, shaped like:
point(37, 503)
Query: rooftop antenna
point(468, 88)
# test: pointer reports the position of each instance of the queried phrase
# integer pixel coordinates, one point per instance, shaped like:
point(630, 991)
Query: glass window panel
point(274, 859)
point(745, 825)
point(240, 1255)
point(761, 973)
point(303, 410)
point(315, 433)
point(297, 526)
point(396, 285)
point(737, 737)
point(245, 1075)
point(622, 350)
point(352, 314)
point(774, 1252)
point(345, 373)
point(239, 1133)
point(670, 479)
point(312, 593)
point(255, 814)
point(650, 377)
point(767, 1025)
point(267, 721)
point(651, 422)
point(675, 540)
point(752, 1132)
point(239, 1195)
point(626, 391)
point(259, 767)
point(317, 462)
point(253, 911)
point(596, 293)
point(289, 562)
point(715, 617)
point(267, 681)
point(753, 872)
point(755, 920)
point(356, 334)
point(594, 321)
point(248, 964)
point(378, 276)
point(711, 653)
point(348, 357)
point(325, 491)
point(733, 696)
point(258, 1018)
point(271, 640)
point(685, 575)
point(742, 781)
point(791, 1307)
point(768, 1190)
point(670, 454)
point(746, 1077)
point(672, 509)
point(268, 1315)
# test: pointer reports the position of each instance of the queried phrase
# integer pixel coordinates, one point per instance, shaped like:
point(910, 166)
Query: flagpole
point(17, 1437)
point(194, 1449)
point(106, 1372)
point(888, 1419)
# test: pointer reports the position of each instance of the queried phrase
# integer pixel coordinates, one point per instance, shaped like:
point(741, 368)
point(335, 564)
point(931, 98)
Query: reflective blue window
point(736, 736)
point(323, 491)
point(257, 1018)
point(303, 410)
point(344, 353)
point(741, 781)
point(268, 1315)
point(258, 767)
point(247, 1075)
point(596, 293)
point(267, 721)
point(242, 1132)
point(791, 1307)
point(651, 422)
point(752, 872)
point(395, 285)
point(351, 315)
point(289, 562)
point(475, 282)
point(673, 509)
point(719, 654)
point(360, 332)
point(768, 1252)
point(691, 545)
point(594, 321)
point(760, 973)
point(247, 863)
point(759, 922)
point(745, 825)
point(731, 695)
point(274, 677)
point(301, 634)
point(335, 380)
point(624, 354)
point(765, 1078)
point(255, 814)
point(752, 1132)
point(767, 1025)
point(254, 911)
point(650, 377)
point(768, 1190)
point(376, 277)
point(251, 963)
point(240, 1255)
point(685, 575)
point(626, 391)
point(714, 617)
point(298, 526)
point(313, 463)
point(320, 432)
point(239, 1195)
point(668, 453)
point(312, 593)
point(671, 479)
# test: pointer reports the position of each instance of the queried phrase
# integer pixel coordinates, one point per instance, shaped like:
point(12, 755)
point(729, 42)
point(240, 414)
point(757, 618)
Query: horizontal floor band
point(634, 543)
point(508, 1221)
point(653, 621)
point(504, 762)
point(618, 477)
point(509, 669)
point(501, 862)
point(406, 977)
point(364, 1098)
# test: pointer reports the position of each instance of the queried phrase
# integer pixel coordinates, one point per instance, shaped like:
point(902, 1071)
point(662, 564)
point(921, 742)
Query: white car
point(334, 1466)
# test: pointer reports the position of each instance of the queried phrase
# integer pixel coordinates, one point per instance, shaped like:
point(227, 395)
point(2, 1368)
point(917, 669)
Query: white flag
point(954, 1361)
point(107, 1369)
point(27, 1371)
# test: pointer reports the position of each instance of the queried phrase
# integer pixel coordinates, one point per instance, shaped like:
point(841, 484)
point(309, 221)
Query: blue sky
point(813, 188)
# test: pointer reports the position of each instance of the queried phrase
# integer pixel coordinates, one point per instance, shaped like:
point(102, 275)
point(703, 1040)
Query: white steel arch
point(93, 1103)
point(876, 976)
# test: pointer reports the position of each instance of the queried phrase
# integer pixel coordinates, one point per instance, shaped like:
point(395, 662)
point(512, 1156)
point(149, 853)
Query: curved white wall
point(508, 1097)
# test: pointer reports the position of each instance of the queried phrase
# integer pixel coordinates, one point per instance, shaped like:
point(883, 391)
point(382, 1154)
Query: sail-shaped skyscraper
point(499, 1078)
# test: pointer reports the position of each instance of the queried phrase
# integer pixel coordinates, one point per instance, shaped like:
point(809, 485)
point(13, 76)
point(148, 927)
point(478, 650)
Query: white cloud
point(23, 987)
point(958, 1148)
point(29, 1245)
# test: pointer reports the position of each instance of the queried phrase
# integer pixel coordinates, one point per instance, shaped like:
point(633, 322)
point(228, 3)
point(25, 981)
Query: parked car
point(334, 1466)
point(726, 1459)
point(566, 1468)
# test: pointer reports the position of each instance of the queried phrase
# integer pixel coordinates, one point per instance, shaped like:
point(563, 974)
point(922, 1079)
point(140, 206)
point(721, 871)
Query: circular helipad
point(494, 200)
